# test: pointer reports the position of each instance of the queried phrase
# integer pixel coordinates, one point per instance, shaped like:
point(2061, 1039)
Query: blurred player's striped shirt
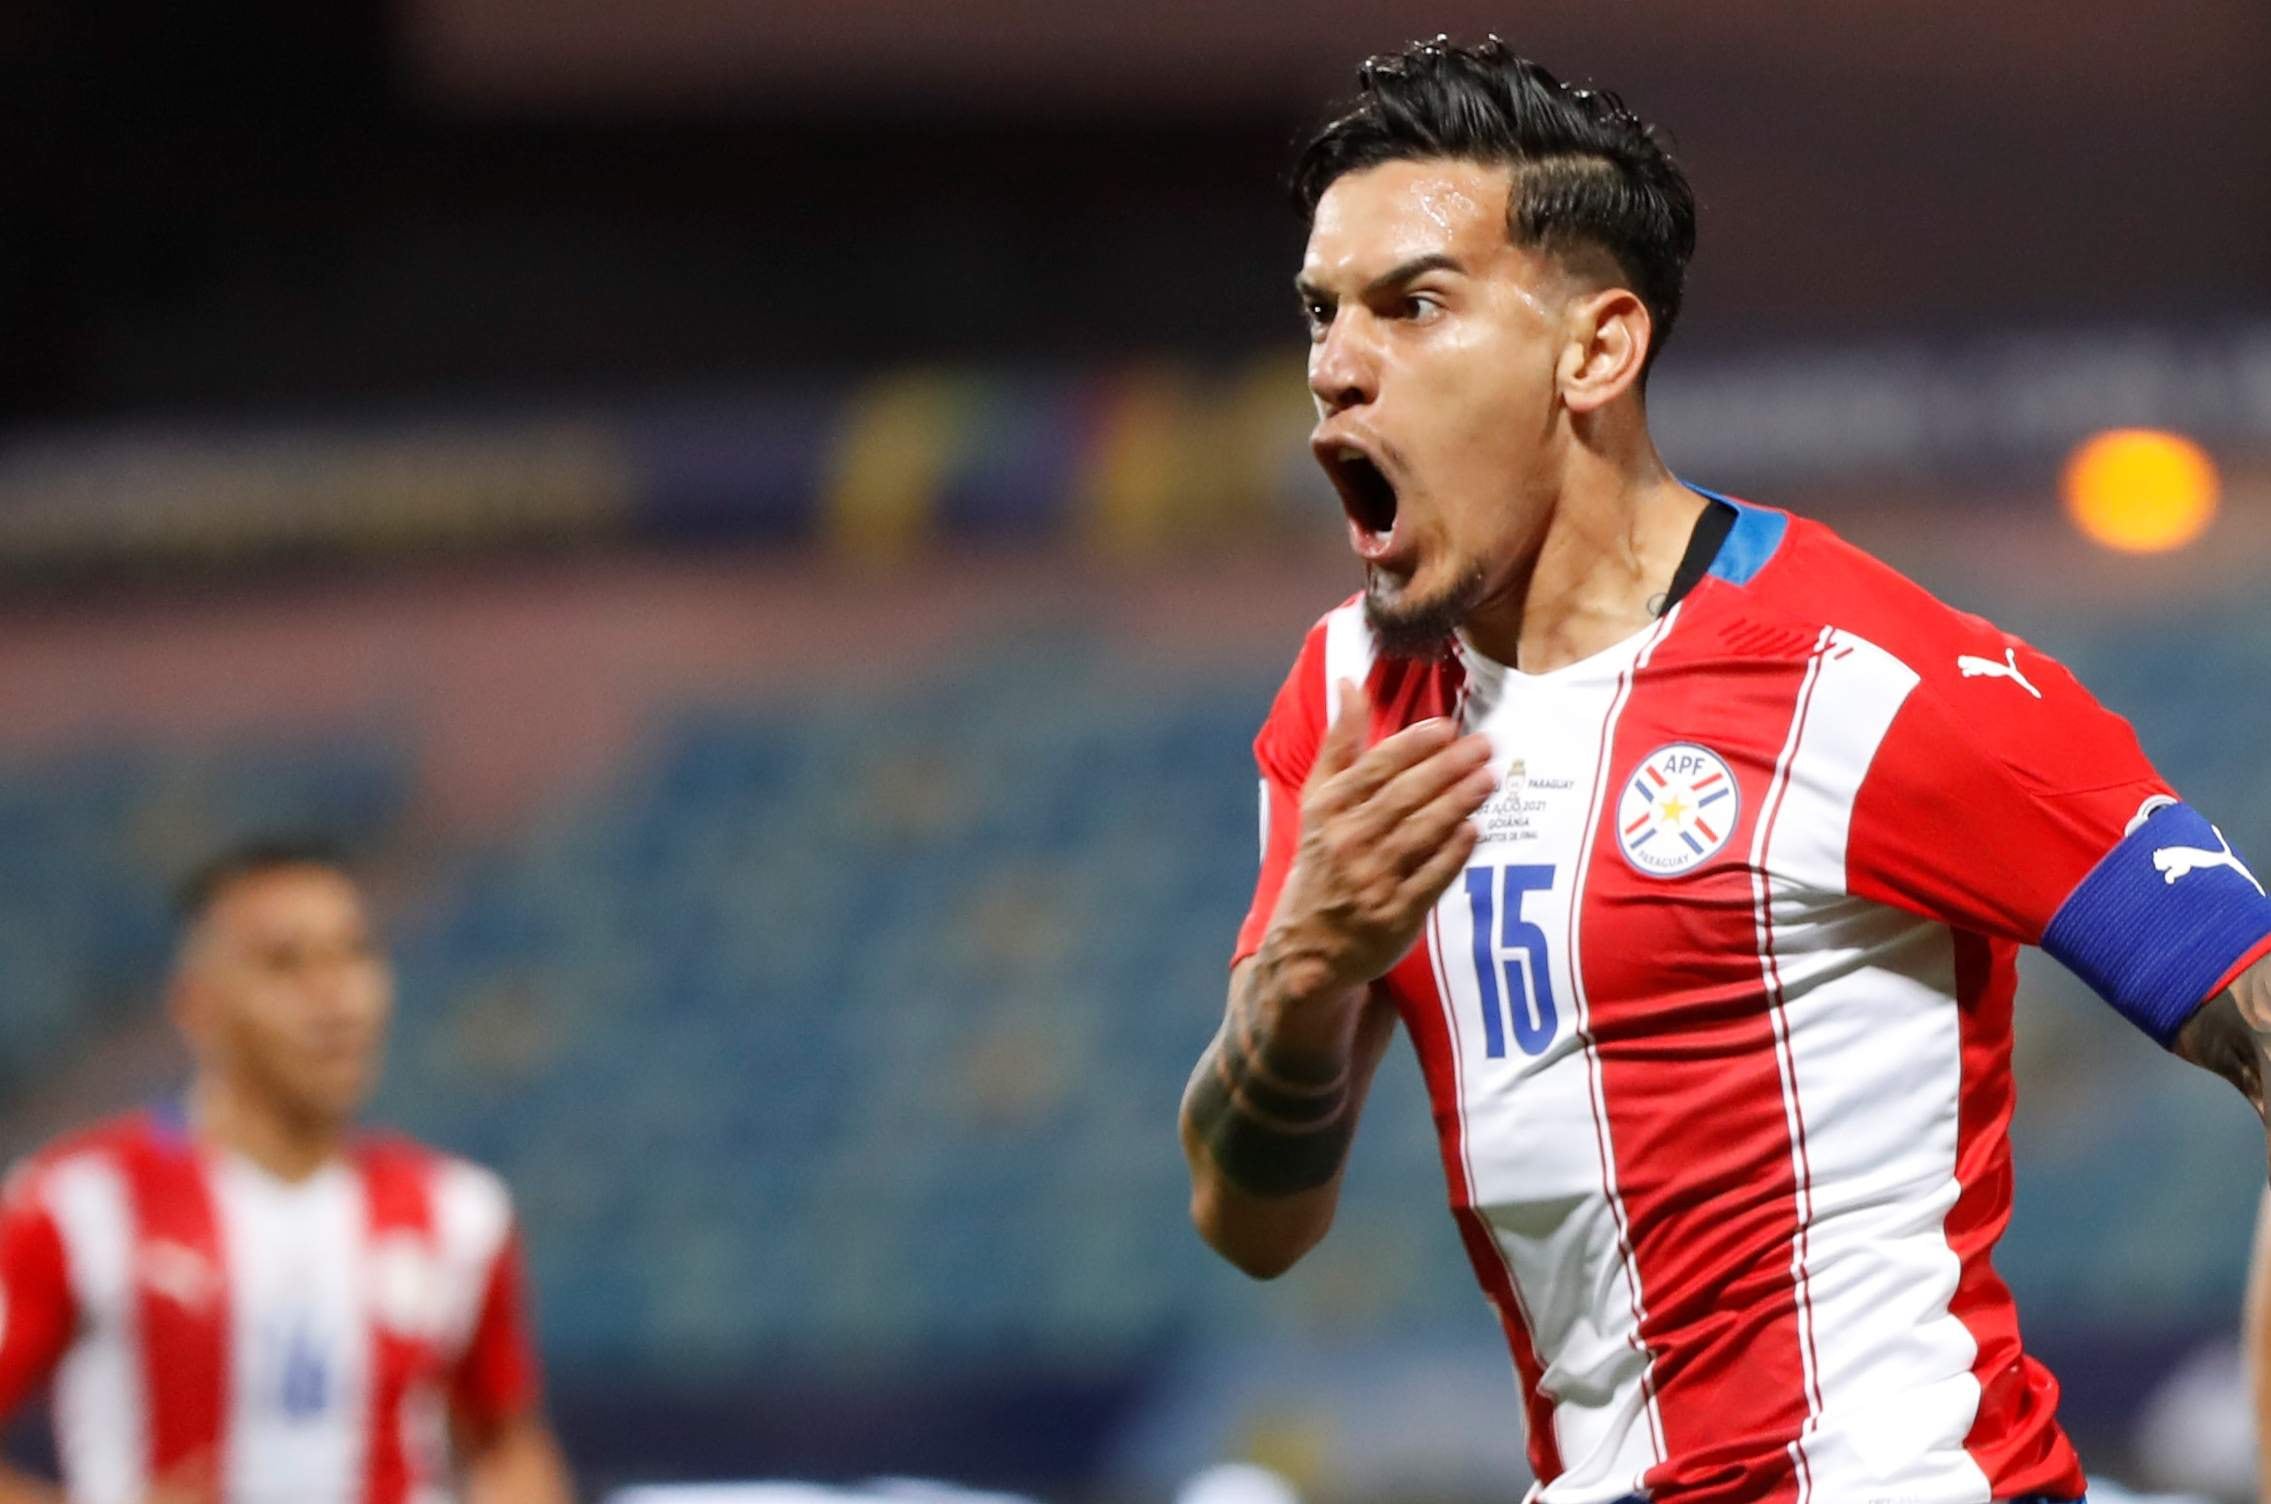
point(310, 1342)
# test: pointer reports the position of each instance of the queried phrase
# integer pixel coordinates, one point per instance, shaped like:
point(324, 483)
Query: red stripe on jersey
point(2015, 1437)
point(1694, 1094)
point(496, 1379)
point(1418, 987)
point(1604, 778)
point(1406, 691)
point(181, 1296)
point(400, 1220)
point(36, 1309)
point(1284, 749)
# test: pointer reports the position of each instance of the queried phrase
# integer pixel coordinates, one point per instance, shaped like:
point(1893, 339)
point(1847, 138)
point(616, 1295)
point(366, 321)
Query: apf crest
point(1677, 809)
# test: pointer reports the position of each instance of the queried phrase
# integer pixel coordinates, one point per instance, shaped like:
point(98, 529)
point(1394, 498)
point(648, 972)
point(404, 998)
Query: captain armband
point(2163, 921)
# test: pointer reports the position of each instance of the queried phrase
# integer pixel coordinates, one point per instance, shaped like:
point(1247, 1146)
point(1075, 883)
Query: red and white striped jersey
point(1716, 1024)
point(306, 1341)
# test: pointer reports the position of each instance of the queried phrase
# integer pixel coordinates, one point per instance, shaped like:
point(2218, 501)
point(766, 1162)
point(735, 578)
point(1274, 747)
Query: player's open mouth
point(1367, 495)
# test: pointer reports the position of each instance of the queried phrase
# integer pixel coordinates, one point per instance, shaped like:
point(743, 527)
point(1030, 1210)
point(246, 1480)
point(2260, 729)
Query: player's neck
point(1613, 539)
point(288, 1145)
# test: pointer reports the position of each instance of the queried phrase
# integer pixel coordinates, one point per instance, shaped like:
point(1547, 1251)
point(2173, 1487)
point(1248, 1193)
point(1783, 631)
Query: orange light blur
point(2141, 491)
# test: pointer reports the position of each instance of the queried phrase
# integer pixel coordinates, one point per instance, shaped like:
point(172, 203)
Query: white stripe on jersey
point(101, 1429)
point(1539, 1161)
point(298, 1334)
point(1792, 1109)
point(1871, 1054)
point(1629, 1454)
point(472, 1216)
point(1348, 653)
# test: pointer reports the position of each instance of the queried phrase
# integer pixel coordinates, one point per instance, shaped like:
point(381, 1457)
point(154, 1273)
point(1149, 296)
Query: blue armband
point(2161, 920)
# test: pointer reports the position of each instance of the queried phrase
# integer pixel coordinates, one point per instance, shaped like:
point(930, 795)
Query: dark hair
point(1587, 171)
point(255, 858)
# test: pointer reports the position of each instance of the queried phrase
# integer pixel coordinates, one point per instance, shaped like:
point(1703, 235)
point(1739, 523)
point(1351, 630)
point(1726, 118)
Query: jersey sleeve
point(1283, 752)
point(497, 1376)
point(35, 1294)
point(2005, 800)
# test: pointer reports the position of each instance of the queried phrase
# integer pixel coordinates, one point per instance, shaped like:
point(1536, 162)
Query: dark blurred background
point(773, 524)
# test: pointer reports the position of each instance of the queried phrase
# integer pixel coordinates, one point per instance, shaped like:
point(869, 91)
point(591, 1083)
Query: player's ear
point(1610, 335)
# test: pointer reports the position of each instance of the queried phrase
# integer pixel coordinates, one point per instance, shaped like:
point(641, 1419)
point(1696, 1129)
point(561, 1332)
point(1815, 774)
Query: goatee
point(1419, 629)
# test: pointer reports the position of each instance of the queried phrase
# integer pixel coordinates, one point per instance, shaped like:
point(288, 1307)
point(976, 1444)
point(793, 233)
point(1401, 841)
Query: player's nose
point(1344, 369)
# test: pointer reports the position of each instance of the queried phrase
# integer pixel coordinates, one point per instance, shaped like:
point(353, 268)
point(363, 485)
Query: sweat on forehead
point(1387, 226)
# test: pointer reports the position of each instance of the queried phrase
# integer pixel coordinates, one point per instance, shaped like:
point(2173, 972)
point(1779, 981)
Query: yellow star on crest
point(1672, 809)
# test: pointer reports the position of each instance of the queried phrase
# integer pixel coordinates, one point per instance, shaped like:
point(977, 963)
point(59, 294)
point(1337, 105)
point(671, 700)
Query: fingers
point(1344, 738)
point(1432, 876)
point(1384, 831)
point(1406, 845)
point(1372, 771)
point(1458, 773)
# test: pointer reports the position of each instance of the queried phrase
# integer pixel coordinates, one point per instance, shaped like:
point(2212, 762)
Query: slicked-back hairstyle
point(232, 865)
point(1587, 171)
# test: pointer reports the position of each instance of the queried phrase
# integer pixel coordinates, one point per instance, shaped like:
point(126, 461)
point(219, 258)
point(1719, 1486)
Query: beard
point(1405, 627)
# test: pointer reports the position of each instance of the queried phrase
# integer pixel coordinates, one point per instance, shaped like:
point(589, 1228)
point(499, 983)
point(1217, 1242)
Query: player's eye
point(1420, 307)
point(1318, 315)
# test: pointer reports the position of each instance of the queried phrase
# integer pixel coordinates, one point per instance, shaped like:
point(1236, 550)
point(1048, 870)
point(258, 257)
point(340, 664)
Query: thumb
point(1344, 739)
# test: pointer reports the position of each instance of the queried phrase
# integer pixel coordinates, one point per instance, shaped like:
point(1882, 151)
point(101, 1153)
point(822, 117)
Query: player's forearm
point(521, 1464)
point(2231, 1034)
point(1269, 1114)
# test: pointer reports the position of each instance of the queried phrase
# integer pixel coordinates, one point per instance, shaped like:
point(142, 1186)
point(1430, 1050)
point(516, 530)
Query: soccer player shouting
point(1692, 846)
point(239, 1300)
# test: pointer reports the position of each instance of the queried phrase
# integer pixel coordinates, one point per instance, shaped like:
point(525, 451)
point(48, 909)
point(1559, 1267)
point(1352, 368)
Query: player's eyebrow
point(1395, 276)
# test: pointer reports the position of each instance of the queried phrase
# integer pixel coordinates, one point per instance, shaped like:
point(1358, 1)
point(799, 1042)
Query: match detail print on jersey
point(1677, 810)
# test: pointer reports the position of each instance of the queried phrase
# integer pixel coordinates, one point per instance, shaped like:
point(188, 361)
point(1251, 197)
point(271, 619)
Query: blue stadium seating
point(858, 1023)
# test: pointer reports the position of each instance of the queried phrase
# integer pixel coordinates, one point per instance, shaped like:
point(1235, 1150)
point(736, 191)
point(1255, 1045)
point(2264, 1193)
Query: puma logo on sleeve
point(2182, 861)
point(1988, 668)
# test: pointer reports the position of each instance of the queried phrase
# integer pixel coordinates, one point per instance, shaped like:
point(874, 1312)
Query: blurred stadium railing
point(1128, 460)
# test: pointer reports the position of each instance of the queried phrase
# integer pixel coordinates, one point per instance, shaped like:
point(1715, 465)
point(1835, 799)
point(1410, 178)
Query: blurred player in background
point(237, 1297)
point(1693, 847)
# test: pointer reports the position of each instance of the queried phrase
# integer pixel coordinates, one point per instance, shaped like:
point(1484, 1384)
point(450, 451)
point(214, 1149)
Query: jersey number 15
point(1510, 959)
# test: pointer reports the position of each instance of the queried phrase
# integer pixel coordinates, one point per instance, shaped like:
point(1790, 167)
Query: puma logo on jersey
point(2182, 861)
point(1988, 668)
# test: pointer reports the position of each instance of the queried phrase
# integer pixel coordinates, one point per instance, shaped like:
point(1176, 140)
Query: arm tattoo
point(2231, 1034)
point(1275, 1121)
